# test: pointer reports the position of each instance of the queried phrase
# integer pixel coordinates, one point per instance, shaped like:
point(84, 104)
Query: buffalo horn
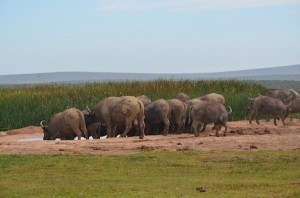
point(88, 109)
point(41, 123)
point(230, 109)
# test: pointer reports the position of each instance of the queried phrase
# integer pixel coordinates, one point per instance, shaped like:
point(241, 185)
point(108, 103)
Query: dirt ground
point(241, 136)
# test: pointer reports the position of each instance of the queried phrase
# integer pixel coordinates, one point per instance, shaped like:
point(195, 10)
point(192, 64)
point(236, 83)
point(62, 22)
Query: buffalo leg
point(195, 128)
point(217, 127)
point(204, 127)
point(178, 125)
point(77, 132)
point(108, 130)
point(225, 125)
point(180, 128)
point(142, 129)
point(109, 133)
point(111, 130)
point(128, 124)
point(275, 123)
point(282, 119)
point(166, 126)
point(251, 116)
point(256, 118)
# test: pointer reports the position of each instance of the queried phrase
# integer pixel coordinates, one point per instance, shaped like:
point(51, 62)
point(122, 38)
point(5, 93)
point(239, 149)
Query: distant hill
point(283, 73)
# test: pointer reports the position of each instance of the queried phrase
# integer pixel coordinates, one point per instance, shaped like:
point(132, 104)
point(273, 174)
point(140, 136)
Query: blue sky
point(143, 36)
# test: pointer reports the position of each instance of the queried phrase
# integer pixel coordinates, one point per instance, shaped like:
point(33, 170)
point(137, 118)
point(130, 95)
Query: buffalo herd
point(139, 116)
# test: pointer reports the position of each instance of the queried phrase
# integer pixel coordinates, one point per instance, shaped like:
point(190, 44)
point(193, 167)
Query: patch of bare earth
point(240, 136)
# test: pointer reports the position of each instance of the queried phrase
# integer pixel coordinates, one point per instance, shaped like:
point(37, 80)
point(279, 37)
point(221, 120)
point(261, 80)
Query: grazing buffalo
point(211, 112)
point(182, 96)
point(268, 106)
point(65, 125)
point(178, 115)
point(120, 111)
point(213, 97)
point(156, 114)
point(92, 126)
point(285, 95)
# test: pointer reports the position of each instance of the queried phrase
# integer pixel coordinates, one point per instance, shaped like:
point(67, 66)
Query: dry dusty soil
point(241, 136)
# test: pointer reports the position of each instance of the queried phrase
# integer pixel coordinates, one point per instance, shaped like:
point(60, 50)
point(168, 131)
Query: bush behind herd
point(28, 105)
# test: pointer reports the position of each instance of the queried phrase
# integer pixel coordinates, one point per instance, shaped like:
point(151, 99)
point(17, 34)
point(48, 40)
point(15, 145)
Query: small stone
point(201, 189)
point(252, 146)
point(267, 131)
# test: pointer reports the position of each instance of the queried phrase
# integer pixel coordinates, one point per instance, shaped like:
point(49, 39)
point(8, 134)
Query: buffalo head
point(45, 130)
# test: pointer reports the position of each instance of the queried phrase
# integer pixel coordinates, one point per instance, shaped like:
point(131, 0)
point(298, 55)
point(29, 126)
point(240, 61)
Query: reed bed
point(28, 105)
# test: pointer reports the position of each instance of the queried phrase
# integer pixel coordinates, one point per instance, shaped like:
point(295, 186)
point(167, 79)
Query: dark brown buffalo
point(285, 95)
point(157, 114)
point(268, 106)
point(92, 126)
point(65, 125)
point(182, 96)
point(211, 112)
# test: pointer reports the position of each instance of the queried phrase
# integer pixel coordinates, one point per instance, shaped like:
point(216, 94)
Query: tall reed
point(28, 105)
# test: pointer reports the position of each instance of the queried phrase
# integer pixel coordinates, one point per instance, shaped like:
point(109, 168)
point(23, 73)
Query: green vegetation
point(280, 84)
point(23, 106)
point(153, 174)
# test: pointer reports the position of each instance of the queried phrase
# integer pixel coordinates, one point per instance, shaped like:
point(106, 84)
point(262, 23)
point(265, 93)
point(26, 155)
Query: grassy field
point(153, 174)
point(24, 106)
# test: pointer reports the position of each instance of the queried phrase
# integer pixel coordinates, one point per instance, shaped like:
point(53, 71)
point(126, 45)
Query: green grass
point(152, 174)
point(28, 105)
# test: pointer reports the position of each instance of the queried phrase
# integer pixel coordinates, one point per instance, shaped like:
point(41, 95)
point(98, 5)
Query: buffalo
point(294, 106)
point(92, 126)
point(182, 96)
point(157, 114)
point(65, 125)
point(120, 111)
point(268, 106)
point(285, 95)
point(208, 113)
point(213, 97)
point(189, 104)
point(178, 115)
